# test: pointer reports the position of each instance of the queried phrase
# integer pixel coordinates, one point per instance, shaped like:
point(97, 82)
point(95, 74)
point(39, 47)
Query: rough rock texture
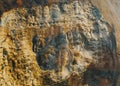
point(110, 10)
point(62, 43)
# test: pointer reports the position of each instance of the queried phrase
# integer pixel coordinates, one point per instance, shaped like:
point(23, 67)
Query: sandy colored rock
point(56, 44)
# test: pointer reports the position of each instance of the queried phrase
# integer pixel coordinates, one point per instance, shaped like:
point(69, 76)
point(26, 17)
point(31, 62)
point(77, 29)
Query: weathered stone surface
point(59, 44)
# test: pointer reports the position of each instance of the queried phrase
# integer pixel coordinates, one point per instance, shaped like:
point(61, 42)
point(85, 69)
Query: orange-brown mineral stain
point(19, 2)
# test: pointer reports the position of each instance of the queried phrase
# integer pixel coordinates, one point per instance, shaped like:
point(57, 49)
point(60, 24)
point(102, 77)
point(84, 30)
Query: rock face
point(62, 43)
point(110, 11)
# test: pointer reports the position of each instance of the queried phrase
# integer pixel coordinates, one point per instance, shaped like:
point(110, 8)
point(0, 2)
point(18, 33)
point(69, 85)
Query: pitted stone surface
point(54, 44)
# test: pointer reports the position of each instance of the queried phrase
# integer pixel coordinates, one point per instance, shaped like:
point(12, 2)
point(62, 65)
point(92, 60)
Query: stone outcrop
point(62, 43)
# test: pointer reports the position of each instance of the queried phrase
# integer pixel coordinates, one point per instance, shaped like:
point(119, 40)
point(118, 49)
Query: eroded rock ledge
point(61, 44)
